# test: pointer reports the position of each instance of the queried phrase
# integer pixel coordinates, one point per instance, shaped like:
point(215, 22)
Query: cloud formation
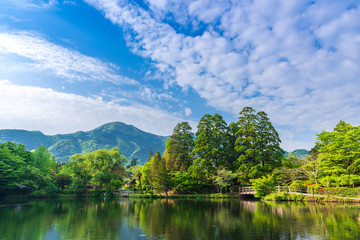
point(296, 60)
point(42, 55)
point(34, 108)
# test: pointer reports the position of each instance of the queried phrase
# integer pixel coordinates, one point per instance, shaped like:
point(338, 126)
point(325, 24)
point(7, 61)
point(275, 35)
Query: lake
point(176, 219)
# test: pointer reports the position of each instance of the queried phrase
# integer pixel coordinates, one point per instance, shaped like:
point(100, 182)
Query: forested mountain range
point(132, 142)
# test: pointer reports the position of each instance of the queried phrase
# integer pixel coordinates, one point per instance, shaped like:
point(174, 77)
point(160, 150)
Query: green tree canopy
point(339, 154)
point(179, 147)
point(258, 145)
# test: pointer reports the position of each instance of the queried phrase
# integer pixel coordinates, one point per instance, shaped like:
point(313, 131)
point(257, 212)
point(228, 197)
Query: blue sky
point(69, 65)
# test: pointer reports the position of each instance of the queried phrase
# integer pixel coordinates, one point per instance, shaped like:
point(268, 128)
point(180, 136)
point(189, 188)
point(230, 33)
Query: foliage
point(280, 196)
point(103, 168)
point(136, 174)
point(22, 171)
point(223, 178)
point(209, 146)
point(160, 175)
point(37, 183)
point(43, 159)
point(178, 147)
point(263, 186)
point(339, 155)
point(258, 145)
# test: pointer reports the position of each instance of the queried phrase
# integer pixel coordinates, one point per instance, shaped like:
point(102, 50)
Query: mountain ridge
point(132, 142)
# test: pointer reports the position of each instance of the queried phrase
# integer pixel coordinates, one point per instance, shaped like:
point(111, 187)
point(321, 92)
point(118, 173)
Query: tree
point(137, 175)
point(43, 159)
point(146, 180)
point(25, 172)
point(223, 178)
point(80, 166)
point(311, 166)
point(210, 147)
point(339, 154)
point(269, 152)
point(160, 174)
point(245, 142)
point(63, 180)
point(258, 145)
point(134, 162)
point(11, 169)
point(37, 183)
point(179, 147)
point(104, 167)
point(263, 186)
point(290, 170)
point(231, 155)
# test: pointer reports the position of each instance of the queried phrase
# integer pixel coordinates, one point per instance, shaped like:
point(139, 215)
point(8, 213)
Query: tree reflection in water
point(178, 219)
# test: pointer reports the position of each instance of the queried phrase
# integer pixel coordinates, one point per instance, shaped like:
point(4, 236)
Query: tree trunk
point(166, 193)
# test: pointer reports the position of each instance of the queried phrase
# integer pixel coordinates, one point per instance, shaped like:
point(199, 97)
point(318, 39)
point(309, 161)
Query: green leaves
point(101, 166)
point(179, 147)
point(339, 153)
point(258, 145)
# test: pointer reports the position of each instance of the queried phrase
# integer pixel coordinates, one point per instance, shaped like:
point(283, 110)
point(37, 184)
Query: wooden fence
point(339, 192)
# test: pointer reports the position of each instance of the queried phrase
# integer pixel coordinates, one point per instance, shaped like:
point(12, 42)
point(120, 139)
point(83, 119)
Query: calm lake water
point(177, 219)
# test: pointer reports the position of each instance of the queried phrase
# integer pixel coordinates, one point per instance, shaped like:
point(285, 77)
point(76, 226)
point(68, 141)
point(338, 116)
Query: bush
point(67, 191)
point(146, 195)
point(297, 197)
point(219, 195)
point(281, 196)
point(263, 186)
point(98, 193)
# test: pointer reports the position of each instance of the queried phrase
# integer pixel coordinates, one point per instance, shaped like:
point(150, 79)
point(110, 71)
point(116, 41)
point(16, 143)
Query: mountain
point(299, 153)
point(132, 142)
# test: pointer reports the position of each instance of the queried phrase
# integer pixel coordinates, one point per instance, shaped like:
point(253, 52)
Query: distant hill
point(299, 153)
point(132, 142)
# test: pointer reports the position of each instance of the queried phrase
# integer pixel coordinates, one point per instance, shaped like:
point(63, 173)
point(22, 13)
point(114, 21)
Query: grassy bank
point(283, 196)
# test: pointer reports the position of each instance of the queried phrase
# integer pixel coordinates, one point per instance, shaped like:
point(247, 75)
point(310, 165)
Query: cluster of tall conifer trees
point(218, 156)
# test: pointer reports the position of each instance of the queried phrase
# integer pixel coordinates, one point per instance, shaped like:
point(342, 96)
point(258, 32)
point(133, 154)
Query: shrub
point(263, 186)
point(281, 196)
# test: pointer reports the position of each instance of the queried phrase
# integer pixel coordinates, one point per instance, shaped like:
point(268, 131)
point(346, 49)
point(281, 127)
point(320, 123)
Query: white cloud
point(31, 4)
point(295, 60)
point(188, 112)
point(37, 53)
point(53, 112)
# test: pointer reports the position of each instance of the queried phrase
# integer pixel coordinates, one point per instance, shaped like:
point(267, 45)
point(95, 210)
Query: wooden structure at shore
point(320, 192)
point(125, 193)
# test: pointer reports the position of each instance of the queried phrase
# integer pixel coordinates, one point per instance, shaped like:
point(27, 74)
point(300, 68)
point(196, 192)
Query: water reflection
point(177, 219)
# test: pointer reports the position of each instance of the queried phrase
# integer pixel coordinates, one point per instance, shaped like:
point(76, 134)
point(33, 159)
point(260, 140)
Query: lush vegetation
point(220, 157)
point(26, 172)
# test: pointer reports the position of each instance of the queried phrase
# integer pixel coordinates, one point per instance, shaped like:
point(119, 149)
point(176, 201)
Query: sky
point(69, 65)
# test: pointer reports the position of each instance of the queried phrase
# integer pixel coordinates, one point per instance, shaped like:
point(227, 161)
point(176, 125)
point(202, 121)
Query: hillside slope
point(132, 142)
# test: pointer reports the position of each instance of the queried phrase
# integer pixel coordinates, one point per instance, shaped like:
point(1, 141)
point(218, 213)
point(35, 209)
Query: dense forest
point(218, 158)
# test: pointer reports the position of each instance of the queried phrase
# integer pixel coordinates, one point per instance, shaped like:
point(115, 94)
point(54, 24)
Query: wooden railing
point(125, 193)
point(339, 192)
